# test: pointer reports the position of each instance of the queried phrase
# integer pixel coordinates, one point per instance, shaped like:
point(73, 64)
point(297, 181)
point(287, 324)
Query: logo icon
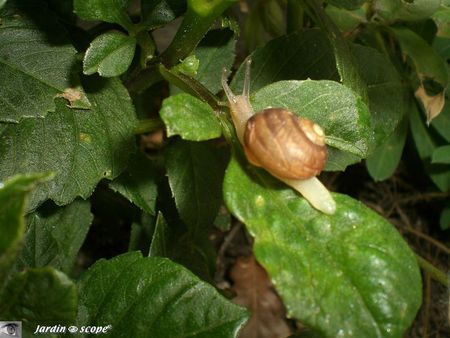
point(11, 329)
point(73, 329)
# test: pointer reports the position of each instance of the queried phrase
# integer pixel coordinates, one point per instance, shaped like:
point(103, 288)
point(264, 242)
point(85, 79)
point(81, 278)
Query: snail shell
point(285, 145)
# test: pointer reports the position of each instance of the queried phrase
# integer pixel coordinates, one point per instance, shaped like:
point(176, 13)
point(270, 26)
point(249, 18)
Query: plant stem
point(190, 86)
point(294, 16)
point(434, 272)
point(199, 17)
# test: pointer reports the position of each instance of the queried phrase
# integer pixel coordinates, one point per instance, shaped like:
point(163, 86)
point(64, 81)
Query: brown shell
point(285, 145)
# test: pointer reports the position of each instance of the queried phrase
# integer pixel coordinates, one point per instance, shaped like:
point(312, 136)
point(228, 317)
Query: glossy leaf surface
point(325, 267)
point(154, 295)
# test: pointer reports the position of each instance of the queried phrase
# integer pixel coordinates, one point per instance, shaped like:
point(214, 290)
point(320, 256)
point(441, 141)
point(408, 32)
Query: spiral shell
point(285, 145)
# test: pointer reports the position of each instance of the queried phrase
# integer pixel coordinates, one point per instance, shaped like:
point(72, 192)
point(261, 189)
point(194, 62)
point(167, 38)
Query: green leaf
point(190, 118)
point(162, 299)
point(388, 97)
point(427, 61)
point(406, 10)
point(346, 20)
point(327, 266)
point(156, 13)
point(109, 54)
point(13, 197)
point(305, 55)
point(114, 11)
point(36, 60)
point(441, 155)
point(347, 4)
point(158, 246)
point(442, 21)
point(138, 184)
point(384, 160)
point(444, 219)
point(195, 172)
point(426, 145)
point(54, 236)
point(215, 52)
point(442, 123)
point(343, 116)
point(345, 60)
point(80, 146)
point(431, 70)
point(41, 296)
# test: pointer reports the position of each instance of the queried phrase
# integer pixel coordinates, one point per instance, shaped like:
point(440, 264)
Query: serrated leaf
point(215, 52)
point(425, 145)
point(36, 60)
point(54, 237)
point(40, 296)
point(13, 197)
point(388, 98)
point(441, 155)
point(190, 118)
point(305, 55)
point(327, 266)
point(343, 116)
point(430, 67)
point(163, 299)
point(80, 146)
point(384, 160)
point(406, 10)
point(109, 54)
point(114, 11)
point(195, 172)
point(138, 184)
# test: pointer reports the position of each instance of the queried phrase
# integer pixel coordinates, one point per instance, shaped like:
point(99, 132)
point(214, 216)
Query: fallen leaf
point(255, 291)
point(433, 105)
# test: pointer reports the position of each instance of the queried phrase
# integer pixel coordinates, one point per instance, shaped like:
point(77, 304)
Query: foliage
point(80, 84)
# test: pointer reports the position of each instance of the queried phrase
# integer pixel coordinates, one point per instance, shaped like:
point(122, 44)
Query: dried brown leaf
point(255, 291)
point(433, 105)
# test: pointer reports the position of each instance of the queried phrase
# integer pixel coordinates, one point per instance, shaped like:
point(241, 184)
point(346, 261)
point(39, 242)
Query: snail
point(289, 147)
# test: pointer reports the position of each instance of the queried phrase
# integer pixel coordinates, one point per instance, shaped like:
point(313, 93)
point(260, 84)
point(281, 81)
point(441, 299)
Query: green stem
point(294, 16)
point(343, 54)
point(199, 17)
point(148, 125)
point(141, 80)
point(190, 86)
point(434, 272)
point(148, 47)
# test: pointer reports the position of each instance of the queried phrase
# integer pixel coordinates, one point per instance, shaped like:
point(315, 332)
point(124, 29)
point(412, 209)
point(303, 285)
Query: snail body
point(289, 147)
